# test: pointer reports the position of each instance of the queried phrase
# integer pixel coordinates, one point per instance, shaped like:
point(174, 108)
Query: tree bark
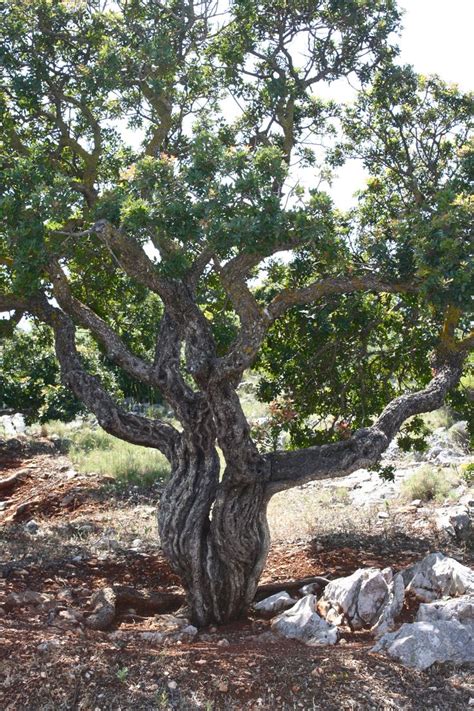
point(214, 535)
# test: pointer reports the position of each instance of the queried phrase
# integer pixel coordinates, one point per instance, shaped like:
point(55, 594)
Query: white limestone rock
point(274, 604)
point(421, 644)
point(368, 598)
point(391, 607)
point(302, 622)
point(457, 608)
point(454, 521)
point(438, 576)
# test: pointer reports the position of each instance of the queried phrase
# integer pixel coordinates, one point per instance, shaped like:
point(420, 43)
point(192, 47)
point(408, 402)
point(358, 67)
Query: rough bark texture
point(215, 535)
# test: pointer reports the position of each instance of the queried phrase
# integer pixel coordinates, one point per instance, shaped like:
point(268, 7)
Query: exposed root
point(11, 481)
point(113, 602)
point(290, 586)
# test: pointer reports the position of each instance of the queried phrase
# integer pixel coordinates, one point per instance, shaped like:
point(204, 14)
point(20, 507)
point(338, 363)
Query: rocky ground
point(64, 536)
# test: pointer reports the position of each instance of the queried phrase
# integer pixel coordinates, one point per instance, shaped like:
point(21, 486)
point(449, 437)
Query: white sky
point(437, 38)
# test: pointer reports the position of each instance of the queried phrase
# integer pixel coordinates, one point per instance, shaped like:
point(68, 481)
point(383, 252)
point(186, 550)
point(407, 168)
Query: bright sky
point(437, 39)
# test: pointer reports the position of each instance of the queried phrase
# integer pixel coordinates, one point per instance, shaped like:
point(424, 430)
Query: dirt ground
point(92, 534)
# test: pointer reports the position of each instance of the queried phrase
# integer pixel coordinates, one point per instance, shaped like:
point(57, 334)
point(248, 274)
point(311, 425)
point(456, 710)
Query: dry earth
point(88, 539)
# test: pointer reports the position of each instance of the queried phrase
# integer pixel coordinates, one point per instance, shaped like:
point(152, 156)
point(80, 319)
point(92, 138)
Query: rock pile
point(373, 599)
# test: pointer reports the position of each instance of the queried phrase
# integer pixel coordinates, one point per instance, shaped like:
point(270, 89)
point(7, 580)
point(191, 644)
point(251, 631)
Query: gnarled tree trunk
point(214, 535)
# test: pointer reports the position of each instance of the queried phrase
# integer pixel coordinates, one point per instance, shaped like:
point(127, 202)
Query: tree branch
point(331, 286)
point(176, 295)
point(364, 448)
point(87, 388)
point(115, 348)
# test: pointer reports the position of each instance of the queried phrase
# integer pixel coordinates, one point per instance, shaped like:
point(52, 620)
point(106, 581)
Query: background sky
point(437, 38)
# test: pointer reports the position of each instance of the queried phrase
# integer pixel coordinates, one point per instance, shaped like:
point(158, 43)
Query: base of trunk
point(216, 540)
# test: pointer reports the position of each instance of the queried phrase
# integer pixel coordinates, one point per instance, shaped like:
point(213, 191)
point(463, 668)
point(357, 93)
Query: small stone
point(415, 503)
point(274, 604)
point(343, 641)
point(383, 514)
point(223, 686)
point(48, 646)
point(471, 701)
point(3, 505)
point(223, 642)
point(172, 685)
point(32, 526)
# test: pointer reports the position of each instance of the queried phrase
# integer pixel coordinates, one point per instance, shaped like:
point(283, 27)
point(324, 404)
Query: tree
point(225, 102)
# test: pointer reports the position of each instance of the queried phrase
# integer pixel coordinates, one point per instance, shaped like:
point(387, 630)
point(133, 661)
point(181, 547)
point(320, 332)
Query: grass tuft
point(431, 484)
point(93, 450)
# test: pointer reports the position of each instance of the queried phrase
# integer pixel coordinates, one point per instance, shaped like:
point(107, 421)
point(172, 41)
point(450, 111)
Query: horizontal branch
point(364, 448)
point(333, 286)
point(254, 329)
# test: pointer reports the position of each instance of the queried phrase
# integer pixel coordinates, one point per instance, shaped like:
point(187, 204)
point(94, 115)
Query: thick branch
point(331, 286)
point(115, 348)
point(87, 388)
point(365, 447)
point(243, 301)
point(176, 295)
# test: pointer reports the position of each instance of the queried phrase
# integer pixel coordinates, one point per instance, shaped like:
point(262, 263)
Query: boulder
point(370, 597)
point(391, 607)
point(302, 622)
point(457, 608)
point(274, 604)
point(455, 521)
point(421, 644)
point(438, 576)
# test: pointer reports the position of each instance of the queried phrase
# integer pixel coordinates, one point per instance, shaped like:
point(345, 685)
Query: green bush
point(468, 474)
point(430, 484)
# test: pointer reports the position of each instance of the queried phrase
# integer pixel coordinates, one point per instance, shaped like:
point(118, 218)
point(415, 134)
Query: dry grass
point(430, 483)
point(93, 450)
point(299, 513)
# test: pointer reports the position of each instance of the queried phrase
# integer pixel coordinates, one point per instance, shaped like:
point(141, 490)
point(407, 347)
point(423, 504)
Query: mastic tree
point(156, 159)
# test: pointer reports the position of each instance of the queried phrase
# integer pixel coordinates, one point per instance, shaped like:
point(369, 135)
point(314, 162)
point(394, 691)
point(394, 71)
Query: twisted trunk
point(215, 536)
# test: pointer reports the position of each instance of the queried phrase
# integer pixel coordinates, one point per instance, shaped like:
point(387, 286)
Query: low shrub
point(468, 474)
point(430, 484)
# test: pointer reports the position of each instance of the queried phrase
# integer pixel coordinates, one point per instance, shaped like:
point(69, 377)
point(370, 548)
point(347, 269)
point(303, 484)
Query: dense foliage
point(227, 123)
